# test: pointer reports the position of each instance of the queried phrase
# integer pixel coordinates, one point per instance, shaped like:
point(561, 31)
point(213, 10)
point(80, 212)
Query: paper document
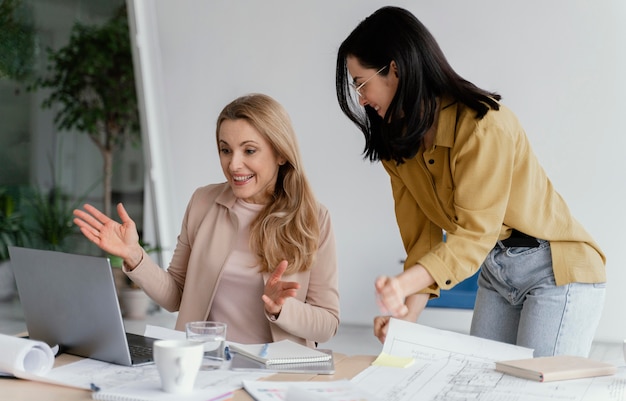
point(339, 390)
point(163, 333)
point(453, 367)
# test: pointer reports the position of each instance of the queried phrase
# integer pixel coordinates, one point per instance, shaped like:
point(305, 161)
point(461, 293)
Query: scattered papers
point(451, 366)
point(143, 382)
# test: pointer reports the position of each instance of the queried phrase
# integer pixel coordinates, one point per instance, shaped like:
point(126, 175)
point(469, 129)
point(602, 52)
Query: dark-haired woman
point(469, 193)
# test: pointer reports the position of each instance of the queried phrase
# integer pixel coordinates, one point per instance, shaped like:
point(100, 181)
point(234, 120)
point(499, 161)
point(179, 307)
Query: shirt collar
point(446, 123)
point(227, 198)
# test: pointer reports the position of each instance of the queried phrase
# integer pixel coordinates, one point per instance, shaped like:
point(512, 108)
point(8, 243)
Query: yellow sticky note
point(385, 359)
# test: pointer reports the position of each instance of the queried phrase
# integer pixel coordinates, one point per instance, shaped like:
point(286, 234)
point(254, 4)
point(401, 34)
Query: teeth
point(244, 178)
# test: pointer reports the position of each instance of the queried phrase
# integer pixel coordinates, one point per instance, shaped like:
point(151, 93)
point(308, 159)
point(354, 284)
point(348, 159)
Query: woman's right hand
point(415, 304)
point(390, 296)
point(112, 237)
point(381, 324)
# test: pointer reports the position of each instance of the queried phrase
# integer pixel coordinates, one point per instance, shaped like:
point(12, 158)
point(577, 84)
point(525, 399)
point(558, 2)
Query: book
point(553, 368)
point(279, 352)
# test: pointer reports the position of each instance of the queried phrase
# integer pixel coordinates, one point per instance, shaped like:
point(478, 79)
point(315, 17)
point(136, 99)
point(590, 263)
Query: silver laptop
point(70, 301)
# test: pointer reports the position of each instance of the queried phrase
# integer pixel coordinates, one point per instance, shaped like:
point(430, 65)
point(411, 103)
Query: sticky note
point(385, 359)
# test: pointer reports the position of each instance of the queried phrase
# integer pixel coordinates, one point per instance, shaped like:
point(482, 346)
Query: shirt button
point(431, 161)
point(448, 282)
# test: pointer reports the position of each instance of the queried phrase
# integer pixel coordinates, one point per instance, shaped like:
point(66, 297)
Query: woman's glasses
point(359, 87)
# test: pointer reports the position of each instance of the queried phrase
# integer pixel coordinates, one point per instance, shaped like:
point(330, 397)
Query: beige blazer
point(206, 238)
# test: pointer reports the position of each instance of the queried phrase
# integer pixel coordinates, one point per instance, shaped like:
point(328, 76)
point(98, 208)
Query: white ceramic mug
point(178, 363)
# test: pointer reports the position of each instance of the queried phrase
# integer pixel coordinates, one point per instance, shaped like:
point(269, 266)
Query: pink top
point(241, 277)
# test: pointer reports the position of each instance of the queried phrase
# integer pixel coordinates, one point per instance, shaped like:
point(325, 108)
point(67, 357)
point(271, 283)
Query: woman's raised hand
point(112, 237)
point(277, 291)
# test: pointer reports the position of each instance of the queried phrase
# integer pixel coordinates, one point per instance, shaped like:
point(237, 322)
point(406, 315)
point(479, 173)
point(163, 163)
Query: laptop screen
point(70, 300)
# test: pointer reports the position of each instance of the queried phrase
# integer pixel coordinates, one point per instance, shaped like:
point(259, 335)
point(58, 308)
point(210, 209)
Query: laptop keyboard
point(140, 351)
point(140, 348)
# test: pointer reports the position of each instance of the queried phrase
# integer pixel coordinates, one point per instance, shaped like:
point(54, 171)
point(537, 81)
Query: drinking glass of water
point(213, 336)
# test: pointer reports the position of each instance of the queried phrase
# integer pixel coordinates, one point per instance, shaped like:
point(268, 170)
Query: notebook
point(553, 368)
point(240, 362)
point(279, 352)
point(70, 301)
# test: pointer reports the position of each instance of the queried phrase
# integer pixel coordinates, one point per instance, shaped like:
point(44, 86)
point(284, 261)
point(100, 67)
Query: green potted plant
point(51, 215)
point(91, 80)
point(17, 40)
point(13, 232)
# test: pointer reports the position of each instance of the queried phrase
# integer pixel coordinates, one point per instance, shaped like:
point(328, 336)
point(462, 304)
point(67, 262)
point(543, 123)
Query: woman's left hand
point(277, 291)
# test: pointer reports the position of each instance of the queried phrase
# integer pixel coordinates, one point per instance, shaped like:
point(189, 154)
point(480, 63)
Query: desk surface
point(23, 390)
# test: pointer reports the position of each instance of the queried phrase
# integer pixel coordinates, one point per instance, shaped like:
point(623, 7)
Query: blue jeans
point(518, 302)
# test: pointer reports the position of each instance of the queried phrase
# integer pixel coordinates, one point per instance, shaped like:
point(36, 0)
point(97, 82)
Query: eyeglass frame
point(358, 88)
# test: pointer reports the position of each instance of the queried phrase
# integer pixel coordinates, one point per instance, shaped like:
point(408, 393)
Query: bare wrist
point(133, 262)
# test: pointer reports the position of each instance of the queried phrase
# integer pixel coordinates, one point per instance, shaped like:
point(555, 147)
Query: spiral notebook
point(279, 352)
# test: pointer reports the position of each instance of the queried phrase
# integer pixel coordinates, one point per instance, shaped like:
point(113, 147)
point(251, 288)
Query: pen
point(263, 352)
point(444, 235)
point(227, 353)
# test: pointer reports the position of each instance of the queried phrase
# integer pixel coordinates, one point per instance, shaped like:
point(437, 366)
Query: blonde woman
point(257, 252)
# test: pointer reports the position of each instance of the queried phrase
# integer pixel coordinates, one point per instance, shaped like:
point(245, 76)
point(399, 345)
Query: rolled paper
point(22, 355)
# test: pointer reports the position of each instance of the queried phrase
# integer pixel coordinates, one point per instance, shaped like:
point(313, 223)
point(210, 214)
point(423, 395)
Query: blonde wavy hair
point(287, 228)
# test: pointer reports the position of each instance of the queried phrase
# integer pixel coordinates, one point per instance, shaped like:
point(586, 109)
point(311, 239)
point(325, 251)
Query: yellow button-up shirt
point(479, 180)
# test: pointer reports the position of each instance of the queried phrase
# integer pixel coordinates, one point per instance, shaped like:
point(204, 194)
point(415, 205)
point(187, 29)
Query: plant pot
point(134, 303)
point(8, 289)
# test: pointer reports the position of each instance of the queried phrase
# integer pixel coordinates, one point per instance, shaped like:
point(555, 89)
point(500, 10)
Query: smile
point(242, 178)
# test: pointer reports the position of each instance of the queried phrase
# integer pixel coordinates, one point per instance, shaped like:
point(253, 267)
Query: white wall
point(558, 64)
